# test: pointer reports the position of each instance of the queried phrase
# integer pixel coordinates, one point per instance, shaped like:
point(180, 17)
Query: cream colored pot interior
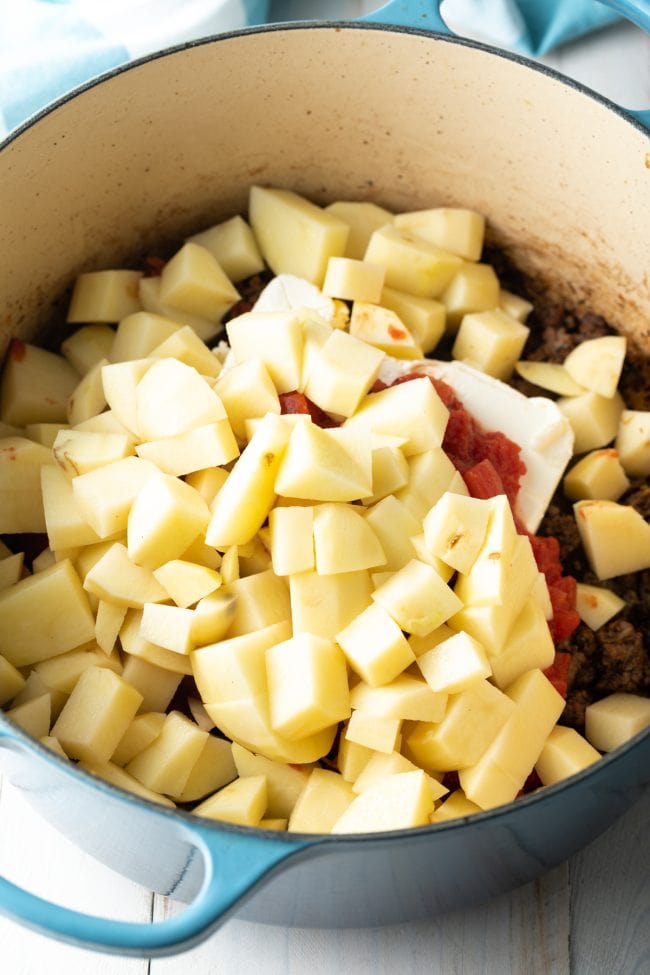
point(354, 113)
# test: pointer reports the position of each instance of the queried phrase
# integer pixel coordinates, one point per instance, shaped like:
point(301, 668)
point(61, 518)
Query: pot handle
point(425, 15)
point(236, 862)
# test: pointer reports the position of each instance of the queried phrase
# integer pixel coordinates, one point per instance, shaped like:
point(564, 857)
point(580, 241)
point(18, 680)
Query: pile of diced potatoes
point(319, 585)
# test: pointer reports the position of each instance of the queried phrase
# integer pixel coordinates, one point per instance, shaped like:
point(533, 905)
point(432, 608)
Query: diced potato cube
point(308, 685)
point(208, 482)
point(394, 526)
point(210, 445)
point(54, 745)
point(363, 218)
point(172, 398)
point(144, 729)
point(78, 452)
point(21, 462)
point(325, 605)
point(390, 472)
point(275, 337)
point(88, 346)
point(134, 643)
point(633, 442)
point(412, 264)
point(284, 782)
point(43, 433)
point(11, 570)
point(260, 600)
point(455, 806)
point(565, 753)
point(325, 465)
point(596, 606)
point(149, 293)
point(293, 234)
point(108, 622)
point(594, 419)
point(247, 391)
point(233, 245)
point(104, 296)
point(596, 364)
point(473, 288)
point(116, 578)
point(235, 669)
point(11, 681)
point(528, 645)
point(431, 473)
point(396, 802)
point(33, 716)
point(115, 775)
point(321, 803)
point(352, 758)
point(44, 615)
point(292, 540)
point(598, 475)
point(165, 518)
point(424, 317)
point(342, 373)
point(615, 719)
point(405, 697)
point(185, 346)
point(96, 715)
point(381, 765)
point(64, 521)
point(168, 626)
point(88, 398)
point(334, 523)
point(417, 598)
point(194, 282)
point(106, 494)
point(166, 764)
point(156, 685)
point(212, 616)
point(120, 382)
point(383, 329)
point(62, 672)
point(353, 280)
point(514, 305)
point(243, 802)
point(491, 341)
point(472, 720)
point(549, 375)
point(375, 646)
point(602, 525)
point(138, 334)
point(213, 769)
point(455, 529)
point(411, 410)
point(36, 385)
point(373, 731)
point(457, 230)
point(186, 582)
point(454, 664)
point(243, 503)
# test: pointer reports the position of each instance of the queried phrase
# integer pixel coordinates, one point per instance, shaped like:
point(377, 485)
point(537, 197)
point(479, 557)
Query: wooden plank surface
point(589, 916)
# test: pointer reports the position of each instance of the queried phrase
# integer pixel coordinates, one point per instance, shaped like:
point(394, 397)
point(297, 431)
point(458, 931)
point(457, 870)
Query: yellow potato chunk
point(455, 806)
point(234, 669)
point(325, 465)
point(396, 802)
point(411, 410)
point(615, 719)
point(594, 419)
point(194, 282)
point(596, 364)
point(599, 475)
point(213, 769)
point(36, 385)
point(473, 288)
point(168, 626)
point(565, 753)
point(275, 337)
point(293, 234)
point(135, 644)
point(412, 264)
point(383, 329)
point(11, 681)
point(186, 346)
point(144, 729)
point(108, 623)
point(116, 776)
point(373, 731)
point(21, 462)
point(104, 296)
point(44, 615)
point(394, 526)
point(88, 346)
point(233, 244)
point(292, 539)
point(247, 391)
point(260, 600)
point(381, 765)
point(423, 317)
point(284, 782)
point(352, 758)
point(334, 523)
point(96, 715)
point(212, 444)
point(342, 372)
point(528, 645)
point(407, 698)
point(321, 803)
point(454, 664)
point(243, 802)
point(166, 764)
point(64, 521)
point(390, 471)
point(472, 720)
point(105, 495)
point(33, 716)
point(208, 482)
point(120, 381)
point(62, 672)
point(456, 229)
point(417, 598)
point(363, 219)
point(78, 452)
point(165, 518)
point(602, 525)
point(633, 442)
point(431, 473)
point(156, 684)
point(491, 341)
point(455, 529)
point(117, 579)
point(549, 375)
point(514, 305)
point(353, 280)
point(186, 582)
point(138, 334)
point(596, 606)
point(172, 398)
point(375, 646)
point(325, 605)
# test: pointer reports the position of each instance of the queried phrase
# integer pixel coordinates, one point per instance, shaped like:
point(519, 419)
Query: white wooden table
point(590, 916)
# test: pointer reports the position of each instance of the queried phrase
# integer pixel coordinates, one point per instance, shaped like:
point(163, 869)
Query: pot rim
point(335, 25)
point(181, 816)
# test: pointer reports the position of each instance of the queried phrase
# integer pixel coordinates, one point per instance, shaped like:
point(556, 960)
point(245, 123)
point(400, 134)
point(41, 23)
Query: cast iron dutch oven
point(407, 116)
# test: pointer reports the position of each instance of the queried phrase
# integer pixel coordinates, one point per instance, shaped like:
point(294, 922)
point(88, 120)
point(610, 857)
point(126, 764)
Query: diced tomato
point(547, 555)
point(483, 480)
point(558, 672)
point(295, 402)
point(378, 385)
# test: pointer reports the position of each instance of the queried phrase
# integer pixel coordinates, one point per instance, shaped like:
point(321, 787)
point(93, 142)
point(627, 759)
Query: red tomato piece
point(558, 672)
point(483, 481)
point(296, 402)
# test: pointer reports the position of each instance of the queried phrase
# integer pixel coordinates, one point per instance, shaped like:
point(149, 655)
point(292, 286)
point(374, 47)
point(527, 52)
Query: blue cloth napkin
point(48, 47)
